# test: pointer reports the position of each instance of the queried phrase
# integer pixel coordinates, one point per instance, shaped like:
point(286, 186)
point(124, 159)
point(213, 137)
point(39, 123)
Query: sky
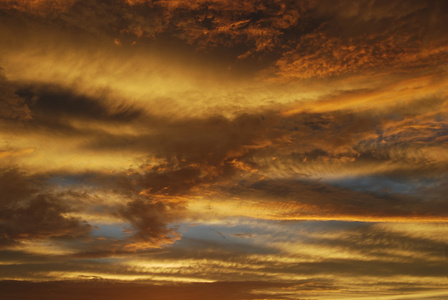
point(219, 149)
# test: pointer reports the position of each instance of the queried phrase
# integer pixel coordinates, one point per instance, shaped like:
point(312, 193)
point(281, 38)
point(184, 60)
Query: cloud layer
point(256, 149)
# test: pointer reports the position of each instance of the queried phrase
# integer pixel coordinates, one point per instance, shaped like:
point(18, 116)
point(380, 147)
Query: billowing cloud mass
point(226, 149)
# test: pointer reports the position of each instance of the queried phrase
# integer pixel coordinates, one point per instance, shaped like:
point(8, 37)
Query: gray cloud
point(27, 211)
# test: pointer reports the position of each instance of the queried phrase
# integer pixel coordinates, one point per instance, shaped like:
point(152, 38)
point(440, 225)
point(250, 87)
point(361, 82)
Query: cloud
point(312, 135)
point(55, 110)
point(288, 199)
point(28, 212)
point(40, 7)
point(303, 39)
point(12, 107)
point(184, 157)
point(45, 101)
point(33, 210)
point(187, 155)
point(368, 38)
point(150, 220)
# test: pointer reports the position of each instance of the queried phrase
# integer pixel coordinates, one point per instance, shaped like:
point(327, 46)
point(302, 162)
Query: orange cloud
point(40, 7)
point(296, 147)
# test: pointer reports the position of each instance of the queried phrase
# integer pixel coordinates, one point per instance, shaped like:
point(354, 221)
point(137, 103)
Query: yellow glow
point(44, 247)
point(399, 90)
point(418, 295)
point(15, 153)
point(207, 211)
point(122, 277)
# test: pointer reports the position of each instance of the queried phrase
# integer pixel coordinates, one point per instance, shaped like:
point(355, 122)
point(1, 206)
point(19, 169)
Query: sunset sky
point(223, 149)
